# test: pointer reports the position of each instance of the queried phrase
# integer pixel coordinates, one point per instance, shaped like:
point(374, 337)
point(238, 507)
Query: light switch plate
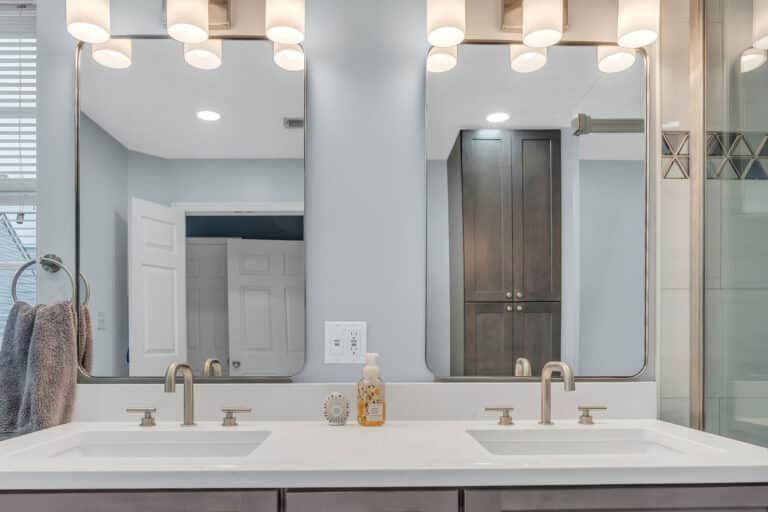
point(346, 342)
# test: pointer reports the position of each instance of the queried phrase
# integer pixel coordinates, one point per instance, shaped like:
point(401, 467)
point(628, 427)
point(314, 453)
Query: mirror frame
point(83, 377)
point(641, 374)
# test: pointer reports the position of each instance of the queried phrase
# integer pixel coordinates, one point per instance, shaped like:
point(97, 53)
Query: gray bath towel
point(13, 363)
point(49, 393)
point(85, 339)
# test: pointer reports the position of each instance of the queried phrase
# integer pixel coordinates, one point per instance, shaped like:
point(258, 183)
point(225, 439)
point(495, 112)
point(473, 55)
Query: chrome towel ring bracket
point(52, 263)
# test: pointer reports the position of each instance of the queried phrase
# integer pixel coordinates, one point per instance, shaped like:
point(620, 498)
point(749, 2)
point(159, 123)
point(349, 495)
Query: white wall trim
point(263, 208)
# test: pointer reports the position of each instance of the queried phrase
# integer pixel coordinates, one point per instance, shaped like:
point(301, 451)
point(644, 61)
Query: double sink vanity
point(576, 463)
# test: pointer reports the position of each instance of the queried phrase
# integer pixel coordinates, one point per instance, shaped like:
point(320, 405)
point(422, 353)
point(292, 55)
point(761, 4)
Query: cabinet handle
point(519, 295)
point(509, 295)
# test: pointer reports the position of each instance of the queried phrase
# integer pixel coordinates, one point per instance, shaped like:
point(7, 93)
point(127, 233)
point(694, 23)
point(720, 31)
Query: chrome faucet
point(212, 368)
point(189, 392)
point(523, 367)
point(546, 387)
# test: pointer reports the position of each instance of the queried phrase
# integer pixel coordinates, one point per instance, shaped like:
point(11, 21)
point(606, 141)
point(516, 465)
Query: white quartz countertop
point(299, 454)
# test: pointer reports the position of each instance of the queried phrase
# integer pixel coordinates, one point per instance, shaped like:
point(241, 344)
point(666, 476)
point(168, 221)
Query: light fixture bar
point(584, 125)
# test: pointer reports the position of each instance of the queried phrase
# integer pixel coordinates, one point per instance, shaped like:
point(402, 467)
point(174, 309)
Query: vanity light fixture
point(638, 24)
point(446, 22)
point(542, 22)
point(752, 59)
point(526, 60)
point(88, 20)
point(290, 57)
point(614, 59)
point(115, 53)
point(441, 59)
point(760, 24)
point(205, 55)
point(187, 20)
point(208, 115)
point(284, 21)
point(497, 117)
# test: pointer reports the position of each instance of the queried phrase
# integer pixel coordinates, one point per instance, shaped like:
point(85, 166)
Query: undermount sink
point(158, 444)
point(547, 441)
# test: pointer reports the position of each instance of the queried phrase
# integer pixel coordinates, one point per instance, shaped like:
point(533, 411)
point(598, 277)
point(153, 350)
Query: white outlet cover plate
point(346, 342)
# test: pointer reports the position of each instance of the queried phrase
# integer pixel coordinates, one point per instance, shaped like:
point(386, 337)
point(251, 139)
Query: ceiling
point(151, 107)
point(483, 82)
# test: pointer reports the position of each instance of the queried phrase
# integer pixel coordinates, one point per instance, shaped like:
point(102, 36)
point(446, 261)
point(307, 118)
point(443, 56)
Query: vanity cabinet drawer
point(372, 501)
point(746, 498)
point(144, 501)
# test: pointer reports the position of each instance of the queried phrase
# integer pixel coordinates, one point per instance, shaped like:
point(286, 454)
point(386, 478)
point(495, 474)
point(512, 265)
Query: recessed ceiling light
point(208, 115)
point(497, 117)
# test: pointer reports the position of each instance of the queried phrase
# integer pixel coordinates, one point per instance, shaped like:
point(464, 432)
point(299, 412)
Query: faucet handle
point(148, 420)
point(586, 417)
point(505, 418)
point(230, 420)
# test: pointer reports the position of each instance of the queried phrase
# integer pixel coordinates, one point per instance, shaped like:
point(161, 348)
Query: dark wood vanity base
point(719, 498)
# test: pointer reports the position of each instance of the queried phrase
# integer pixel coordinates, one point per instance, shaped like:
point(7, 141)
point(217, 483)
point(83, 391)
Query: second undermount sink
point(548, 441)
point(157, 444)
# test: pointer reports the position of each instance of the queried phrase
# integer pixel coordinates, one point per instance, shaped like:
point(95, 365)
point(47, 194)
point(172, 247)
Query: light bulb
point(187, 20)
point(542, 22)
point(288, 56)
point(752, 59)
point(526, 60)
point(88, 20)
point(205, 55)
point(115, 53)
point(760, 24)
point(440, 59)
point(614, 59)
point(638, 23)
point(284, 21)
point(446, 22)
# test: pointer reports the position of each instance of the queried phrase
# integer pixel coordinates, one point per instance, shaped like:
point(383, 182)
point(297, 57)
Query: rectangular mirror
point(537, 206)
point(191, 210)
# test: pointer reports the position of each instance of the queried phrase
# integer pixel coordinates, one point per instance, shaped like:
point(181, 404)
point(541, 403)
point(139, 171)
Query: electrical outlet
point(345, 342)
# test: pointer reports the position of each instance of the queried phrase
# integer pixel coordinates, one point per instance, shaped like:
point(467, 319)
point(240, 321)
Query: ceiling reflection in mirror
point(191, 207)
point(536, 235)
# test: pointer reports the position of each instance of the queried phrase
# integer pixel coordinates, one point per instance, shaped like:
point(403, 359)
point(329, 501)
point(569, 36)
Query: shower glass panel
point(736, 224)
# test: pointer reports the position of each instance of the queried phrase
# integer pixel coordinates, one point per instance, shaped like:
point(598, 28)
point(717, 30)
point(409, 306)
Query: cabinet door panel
point(636, 499)
point(489, 340)
point(146, 501)
point(536, 214)
point(537, 333)
point(373, 501)
point(498, 333)
point(487, 201)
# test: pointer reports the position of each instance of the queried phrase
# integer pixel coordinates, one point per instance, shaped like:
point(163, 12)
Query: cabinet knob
point(509, 295)
point(510, 308)
point(519, 308)
point(519, 295)
point(236, 364)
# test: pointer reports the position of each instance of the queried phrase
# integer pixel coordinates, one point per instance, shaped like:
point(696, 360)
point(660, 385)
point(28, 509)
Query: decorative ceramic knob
point(336, 409)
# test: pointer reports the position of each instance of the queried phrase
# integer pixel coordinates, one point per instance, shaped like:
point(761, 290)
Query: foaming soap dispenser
point(371, 400)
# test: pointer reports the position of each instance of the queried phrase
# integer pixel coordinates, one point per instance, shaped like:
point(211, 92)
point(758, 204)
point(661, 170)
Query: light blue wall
point(365, 184)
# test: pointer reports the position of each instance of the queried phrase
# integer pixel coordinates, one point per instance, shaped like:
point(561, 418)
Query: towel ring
point(54, 263)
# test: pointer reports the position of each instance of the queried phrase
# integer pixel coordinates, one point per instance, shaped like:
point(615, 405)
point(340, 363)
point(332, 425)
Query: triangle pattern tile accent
point(729, 140)
point(741, 164)
point(665, 147)
point(755, 141)
point(685, 165)
point(714, 146)
point(728, 172)
point(757, 171)
point(684, 149)
point(763, 151)
point(740, 148)
point(675, 172)
point(666, 163)
point(675, 140)
point(714, 164)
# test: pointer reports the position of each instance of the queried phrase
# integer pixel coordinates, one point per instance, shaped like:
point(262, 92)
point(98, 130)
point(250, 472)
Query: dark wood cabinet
point(504, 202)
point(498, 333)
point(709, 498)
point(373, 501)
point(145, 501)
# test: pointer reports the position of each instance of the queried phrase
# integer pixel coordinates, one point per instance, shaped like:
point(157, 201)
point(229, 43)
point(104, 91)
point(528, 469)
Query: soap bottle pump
point(371, 399)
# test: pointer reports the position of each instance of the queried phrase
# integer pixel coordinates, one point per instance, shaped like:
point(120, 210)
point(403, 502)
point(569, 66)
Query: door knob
point(235, 364)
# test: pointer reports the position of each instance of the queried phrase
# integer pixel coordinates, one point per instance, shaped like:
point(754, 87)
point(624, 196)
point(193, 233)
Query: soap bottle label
point(375, 412)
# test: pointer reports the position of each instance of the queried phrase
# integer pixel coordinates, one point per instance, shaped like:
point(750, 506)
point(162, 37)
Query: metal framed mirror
point(538, 200)
point(189, 179)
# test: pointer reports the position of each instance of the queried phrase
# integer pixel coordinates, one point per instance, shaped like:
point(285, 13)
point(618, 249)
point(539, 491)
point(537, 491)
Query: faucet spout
point(189, 397)
point(546, 387)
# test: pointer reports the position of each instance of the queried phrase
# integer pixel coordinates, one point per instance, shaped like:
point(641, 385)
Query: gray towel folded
point(49, 393)
point(85, 339)
point(13, 363)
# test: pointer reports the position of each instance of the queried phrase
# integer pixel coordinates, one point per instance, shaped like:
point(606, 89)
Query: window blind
point(18, 92)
